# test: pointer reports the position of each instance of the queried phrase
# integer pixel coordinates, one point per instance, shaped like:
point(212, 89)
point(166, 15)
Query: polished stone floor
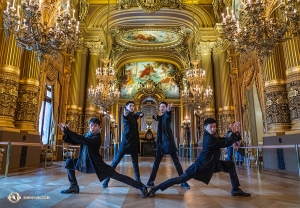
point(41, 188)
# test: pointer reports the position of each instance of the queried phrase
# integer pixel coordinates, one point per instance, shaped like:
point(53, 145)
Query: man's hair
point(95, 121)
point(209, 121)
point(165, 103)
point(129, 103)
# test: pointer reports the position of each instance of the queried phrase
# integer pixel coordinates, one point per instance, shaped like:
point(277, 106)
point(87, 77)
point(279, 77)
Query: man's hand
point(63, 126)
point(141, 115)
point(169, 107)
point(126, 112)
point(155, 116)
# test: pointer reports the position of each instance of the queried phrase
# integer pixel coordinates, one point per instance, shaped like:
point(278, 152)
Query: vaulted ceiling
point(192, 23)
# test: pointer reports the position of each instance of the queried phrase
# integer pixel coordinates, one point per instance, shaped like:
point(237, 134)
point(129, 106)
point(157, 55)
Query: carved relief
point(277, 109)
point(26, 110)
point(73, 120)
point(218, 6)
point(149, 89)
point(293, 89)
point(151, 6)
point(8, 95)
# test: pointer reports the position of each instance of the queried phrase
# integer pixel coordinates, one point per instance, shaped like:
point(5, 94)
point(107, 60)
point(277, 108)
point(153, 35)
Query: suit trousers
point(135, 165)
point(226, 166)
point(157, 161)
point(117, 176)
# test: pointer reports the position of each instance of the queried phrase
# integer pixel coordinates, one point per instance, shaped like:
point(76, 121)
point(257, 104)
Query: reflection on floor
point(268, 189)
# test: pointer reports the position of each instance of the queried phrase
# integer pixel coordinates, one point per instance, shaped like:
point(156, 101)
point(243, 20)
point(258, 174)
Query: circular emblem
point(14, 197)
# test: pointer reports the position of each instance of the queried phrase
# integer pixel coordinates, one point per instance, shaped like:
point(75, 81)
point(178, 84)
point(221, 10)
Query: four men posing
point(90, 161)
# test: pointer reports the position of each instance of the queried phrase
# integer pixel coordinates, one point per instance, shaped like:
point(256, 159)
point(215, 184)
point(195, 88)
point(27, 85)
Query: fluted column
point(82, 89)
point(72, 108)
point(28, 95)
point(206, 49)
point(224, 101)
point(95, 50)
point(236, 93)
point(277, 109)
point(291, 49)
point(10, 57)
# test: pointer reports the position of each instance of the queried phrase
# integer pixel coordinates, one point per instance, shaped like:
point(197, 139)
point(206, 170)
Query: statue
point(83, 9)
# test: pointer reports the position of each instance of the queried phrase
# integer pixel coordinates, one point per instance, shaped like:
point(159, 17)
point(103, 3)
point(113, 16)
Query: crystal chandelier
point(260, 31)
point(32, 28)
point(196, 96)
point(105, 93)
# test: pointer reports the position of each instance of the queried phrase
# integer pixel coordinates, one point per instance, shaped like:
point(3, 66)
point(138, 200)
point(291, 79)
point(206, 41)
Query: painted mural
point(150, 37)
point(141, 71)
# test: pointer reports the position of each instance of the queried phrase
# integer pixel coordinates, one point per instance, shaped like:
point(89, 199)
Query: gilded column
point(236, 94)
point(28, 95)
point(291, 50)
point(217, 87)
point(225, 115)
point(95, 49)
point(72, 108)
point(206, 49)
point(227, 101)
point(277, 109)
point(10, 57)
point(68, 59)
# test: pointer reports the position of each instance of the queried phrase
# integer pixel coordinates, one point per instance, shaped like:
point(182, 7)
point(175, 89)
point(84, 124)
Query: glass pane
point(49, 92)
point(41, 118)
point(47, 123)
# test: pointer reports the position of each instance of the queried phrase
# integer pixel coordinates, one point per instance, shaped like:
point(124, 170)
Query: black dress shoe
point(144, 191)
point(151, 193)
point(239, 192)
point(73, 189)
point(150, 184)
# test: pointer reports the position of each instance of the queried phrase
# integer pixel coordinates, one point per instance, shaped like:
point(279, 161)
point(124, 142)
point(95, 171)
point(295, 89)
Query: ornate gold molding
point(149, 89)
point(206, 47)
point(293, 90)
point(95, 48)
point(221, 45)
point(277, 109)
point(27, 105)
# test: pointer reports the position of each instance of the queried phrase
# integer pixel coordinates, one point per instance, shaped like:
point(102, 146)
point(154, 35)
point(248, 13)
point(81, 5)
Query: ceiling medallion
point(150, 6)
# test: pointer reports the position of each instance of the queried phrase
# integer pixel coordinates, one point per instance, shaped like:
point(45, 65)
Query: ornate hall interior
point(67, 61)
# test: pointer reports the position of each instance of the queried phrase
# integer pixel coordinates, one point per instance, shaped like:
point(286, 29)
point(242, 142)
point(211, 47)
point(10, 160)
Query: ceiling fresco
point(159, 72)
point(150, 37)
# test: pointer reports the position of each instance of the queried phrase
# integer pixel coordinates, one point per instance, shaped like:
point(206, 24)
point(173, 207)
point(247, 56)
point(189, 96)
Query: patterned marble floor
point(41, 188)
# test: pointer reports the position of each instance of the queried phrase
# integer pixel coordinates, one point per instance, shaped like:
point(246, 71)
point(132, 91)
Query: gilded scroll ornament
point(149, 88)
point(83, 9)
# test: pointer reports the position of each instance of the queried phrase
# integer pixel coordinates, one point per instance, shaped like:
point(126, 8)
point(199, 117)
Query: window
point(45, 118)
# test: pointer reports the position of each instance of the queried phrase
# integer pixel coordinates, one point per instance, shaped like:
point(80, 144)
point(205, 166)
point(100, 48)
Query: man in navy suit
point(165, 143)
point(208, 161)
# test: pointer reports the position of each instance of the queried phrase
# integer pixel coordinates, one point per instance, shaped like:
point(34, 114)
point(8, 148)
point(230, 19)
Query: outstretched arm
point(92, 141)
